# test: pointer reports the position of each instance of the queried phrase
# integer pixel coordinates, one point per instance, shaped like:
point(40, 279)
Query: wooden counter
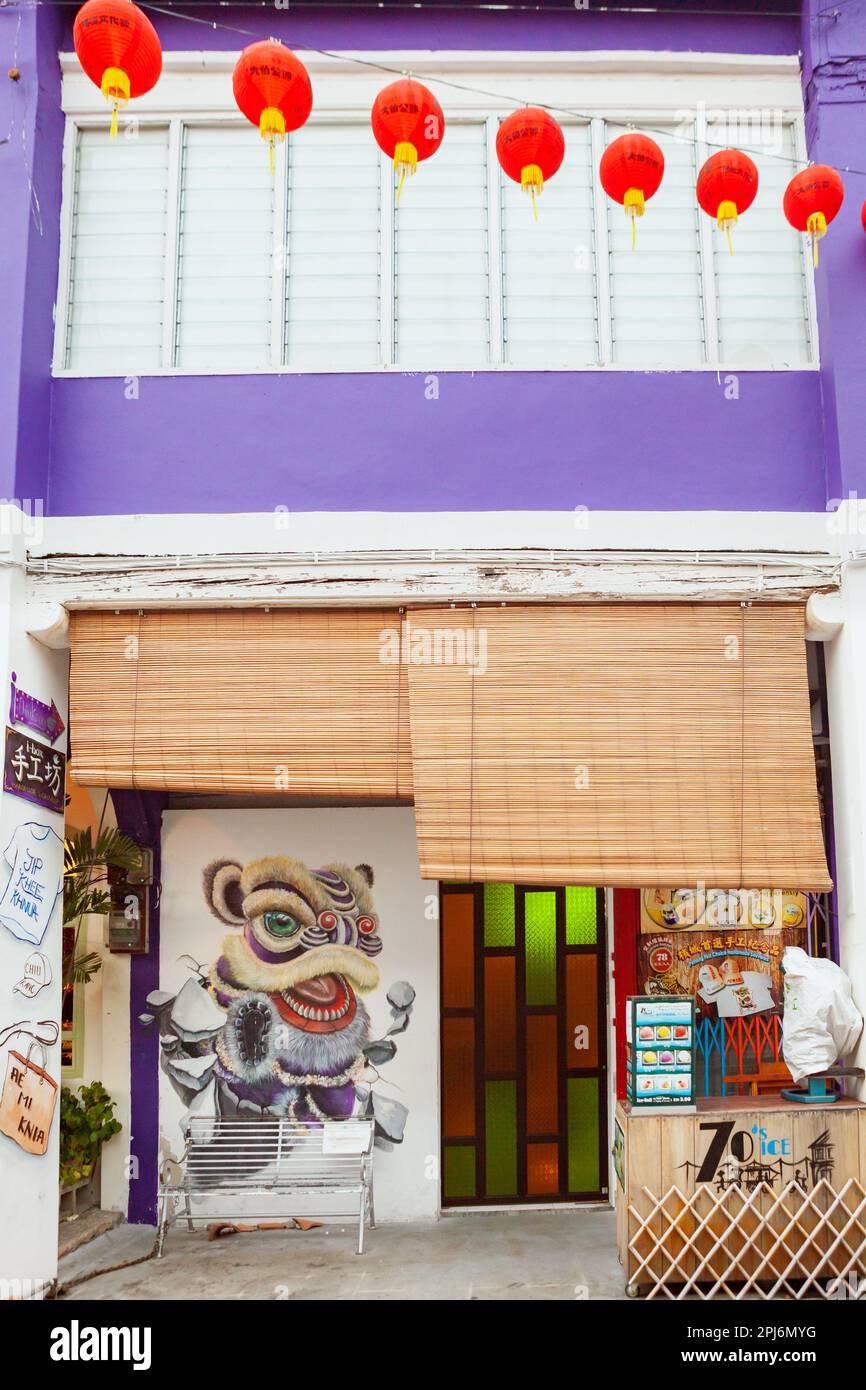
point(692, 1176)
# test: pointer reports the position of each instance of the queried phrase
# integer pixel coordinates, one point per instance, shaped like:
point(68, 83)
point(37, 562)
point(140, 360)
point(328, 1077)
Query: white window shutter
point(224, 249)
point(114, 318)
point(761, 292)
point(441, 285)
point(334, 251)
point(655, 290)
point(548, 267)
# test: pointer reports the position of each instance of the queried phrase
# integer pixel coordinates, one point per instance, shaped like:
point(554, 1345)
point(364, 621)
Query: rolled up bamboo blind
point(287, 702)
point(618, 745)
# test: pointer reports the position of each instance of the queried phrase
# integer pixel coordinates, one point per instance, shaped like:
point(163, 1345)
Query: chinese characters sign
point(34, 771)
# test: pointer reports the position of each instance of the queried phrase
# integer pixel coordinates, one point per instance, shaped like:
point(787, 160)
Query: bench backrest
point(261, 1153)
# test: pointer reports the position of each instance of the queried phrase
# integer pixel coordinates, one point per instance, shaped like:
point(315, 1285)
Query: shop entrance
point(523, 1044)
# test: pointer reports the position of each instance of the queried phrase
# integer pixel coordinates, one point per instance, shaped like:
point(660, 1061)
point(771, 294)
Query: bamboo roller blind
point(239, 700)
point(618, 745)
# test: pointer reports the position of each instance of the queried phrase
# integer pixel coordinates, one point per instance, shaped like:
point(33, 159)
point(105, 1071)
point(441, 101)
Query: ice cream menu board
point(723, 946)
point(660, 1052)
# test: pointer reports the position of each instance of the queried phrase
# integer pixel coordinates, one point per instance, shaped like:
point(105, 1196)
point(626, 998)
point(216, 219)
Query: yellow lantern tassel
point(405, 162)
point(532, 182)
point(115, 88)
point(634, 205)
point(272, 127)
point(727, 218)
point(816, 226)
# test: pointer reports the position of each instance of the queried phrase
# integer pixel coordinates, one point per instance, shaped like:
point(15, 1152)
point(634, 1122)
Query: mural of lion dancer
point(284, 1030)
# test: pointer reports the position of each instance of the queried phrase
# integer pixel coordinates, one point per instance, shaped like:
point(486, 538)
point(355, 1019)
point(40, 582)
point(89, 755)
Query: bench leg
point(361, 1221)
point(188, 1210)
point(372, 1208)
point(162, 1222)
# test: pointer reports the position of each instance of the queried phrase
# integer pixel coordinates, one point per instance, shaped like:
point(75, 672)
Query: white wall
point(845, 658)
point(406, 1178)
point(28, 1182)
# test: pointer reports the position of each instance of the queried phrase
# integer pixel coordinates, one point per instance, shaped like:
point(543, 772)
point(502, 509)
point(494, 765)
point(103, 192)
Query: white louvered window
point(117, 252)
point(441, 269)
point(183, 253)
point(333, 249)
point(762, 305)
point(655, 290)
point(548, 268)
point(225, 252)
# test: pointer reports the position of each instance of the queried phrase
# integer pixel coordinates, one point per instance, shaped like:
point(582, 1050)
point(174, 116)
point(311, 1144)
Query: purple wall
point(834, 77)
point(491, 441)
point(31, 136)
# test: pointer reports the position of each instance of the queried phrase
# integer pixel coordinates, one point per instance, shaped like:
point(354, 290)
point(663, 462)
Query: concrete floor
point(564, 1255)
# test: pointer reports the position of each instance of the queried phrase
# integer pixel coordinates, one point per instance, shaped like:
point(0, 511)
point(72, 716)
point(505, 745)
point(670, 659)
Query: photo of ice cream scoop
point(646, 1034)
point(664, 1083)
point(681, 1033)
point(663, 1032)
point(646, 1083)
point(682, 1083)
point(684, 1059)
point(650, 1059)
point(666, 1058)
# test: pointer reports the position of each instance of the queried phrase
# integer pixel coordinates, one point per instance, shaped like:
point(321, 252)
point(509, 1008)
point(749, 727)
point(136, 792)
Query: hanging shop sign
point(724, 946)
point(660, 1057)
point(34, 714)
point(34, 771)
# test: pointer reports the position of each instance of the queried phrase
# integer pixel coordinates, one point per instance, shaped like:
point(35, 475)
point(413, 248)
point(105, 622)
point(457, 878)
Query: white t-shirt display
point(35, 854)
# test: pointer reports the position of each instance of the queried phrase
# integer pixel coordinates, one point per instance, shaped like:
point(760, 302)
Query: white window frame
point(195, 88)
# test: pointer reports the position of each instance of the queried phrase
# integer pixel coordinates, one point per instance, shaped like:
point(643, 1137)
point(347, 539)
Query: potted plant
point(86, 1123)
point(85, 876)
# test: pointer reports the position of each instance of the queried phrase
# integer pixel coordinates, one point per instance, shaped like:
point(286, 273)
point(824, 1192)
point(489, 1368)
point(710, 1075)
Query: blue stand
point(818, 1092)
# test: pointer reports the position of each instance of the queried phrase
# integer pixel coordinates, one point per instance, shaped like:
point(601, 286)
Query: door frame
point(600, 951)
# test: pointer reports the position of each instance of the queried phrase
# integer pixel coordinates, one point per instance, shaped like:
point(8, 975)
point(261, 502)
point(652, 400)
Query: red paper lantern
point(530, 146)
point(631, 170)
point(812, 200)
point(408, 125)
point(119, 49)
point(272, 89)
point(727, 185)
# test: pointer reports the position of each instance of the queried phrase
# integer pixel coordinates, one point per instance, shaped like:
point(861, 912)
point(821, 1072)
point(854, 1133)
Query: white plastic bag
point(820, 1023)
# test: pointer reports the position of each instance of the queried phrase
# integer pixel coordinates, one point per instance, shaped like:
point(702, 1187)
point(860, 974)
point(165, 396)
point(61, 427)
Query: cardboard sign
point(27, 1103)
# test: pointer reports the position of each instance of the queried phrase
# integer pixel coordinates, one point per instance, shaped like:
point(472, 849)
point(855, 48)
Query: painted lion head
point(307, 935)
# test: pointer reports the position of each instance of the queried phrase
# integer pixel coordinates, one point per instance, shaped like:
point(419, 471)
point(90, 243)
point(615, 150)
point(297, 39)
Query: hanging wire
point(518, 102)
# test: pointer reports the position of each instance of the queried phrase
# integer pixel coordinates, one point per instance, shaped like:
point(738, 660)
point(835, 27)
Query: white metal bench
point(255, 1169)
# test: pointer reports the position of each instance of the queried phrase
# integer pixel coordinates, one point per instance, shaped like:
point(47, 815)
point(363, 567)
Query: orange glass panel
point(500, 1023)
point(581, 1011)
point(541, 1108)
point(458, 950)
point(458, 1078)
point(542, 1168)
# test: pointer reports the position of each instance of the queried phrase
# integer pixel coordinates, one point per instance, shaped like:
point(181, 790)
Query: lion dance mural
point(277, 1024)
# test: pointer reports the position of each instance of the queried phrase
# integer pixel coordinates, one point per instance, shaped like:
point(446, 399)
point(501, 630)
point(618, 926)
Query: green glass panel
point(459, 1175)
point(580, 923)
point(540, 948)
point(583, 1134)
point(499, 914)
point(501, 1138)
